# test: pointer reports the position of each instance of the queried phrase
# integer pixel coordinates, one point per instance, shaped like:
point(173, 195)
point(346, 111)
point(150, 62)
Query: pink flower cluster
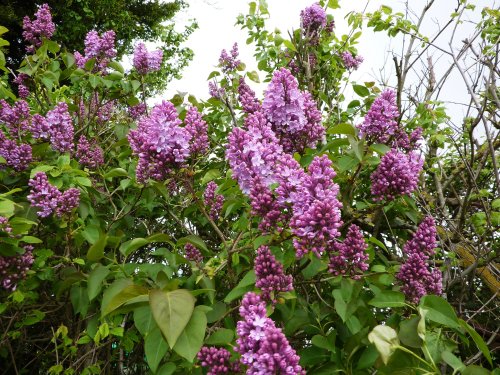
point(14, 268)
point(48, 199)
point(89, 154)
point(213, 201)
point(351, 62)
point(217, 361)
point(293, 114)
point(229, 61)
point(349, 257)
point(397, 174)
point(263, 347)
point(146, 62)
point(162, 144)
point(192, 253)
point(100, 48)
point(41, 27)
point(414, 274)
point(270, 277)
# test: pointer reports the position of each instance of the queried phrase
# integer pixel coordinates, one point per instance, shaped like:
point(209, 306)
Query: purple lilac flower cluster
point(293, 114)
point(5, 226)
point(215, 91)
point(137, 110)
point(213, 201)
point(198, 129)
point(350, 257)
point(316, 210)
point(229, 61)
point(16, 156)
point(192, 253)
point(101, 48)
point(263, 347)
point(312, 18)
point(351, 62)
point(41, 27)
point(270, 277)
point(146, 62)
point(414, 274)
point(48, 199)
point(57, 126)
point(96, 110)
point(89, 154)
point(380, 122)
point(217, 361)
point(397, 174)
point(247, 98)
point(22, 88)
point(14, 268)
point(16, 117)
point(160, 143)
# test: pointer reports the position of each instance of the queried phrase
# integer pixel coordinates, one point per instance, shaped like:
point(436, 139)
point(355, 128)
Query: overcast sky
point(217, 30)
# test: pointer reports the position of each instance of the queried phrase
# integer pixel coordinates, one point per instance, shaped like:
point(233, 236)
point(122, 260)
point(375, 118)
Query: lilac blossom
point(89, 154)
point(215, 91)
point(229, 61)
point(293, 114)
point(350, 257)
point(18, 157)
point(48, 199)
point(137, 110)
point(16, 117)
point(198, 129)
point(316, 209)
point(97, 110)
point(192, 253)
point(397, 174)
point(266, 207)
point(146, 62)
point(213, 201)
point(380, 122)
point(217, 361)
point(5, 226)
point(249, 102)
point(351, 62)
point(14, 268)
point(160, 142)
point(313, 18)
point(41, 27)
point(100, 48)
point(269, 275)
point(22, 88)
point(263, 347)
point(414, 274)
point(60, 128)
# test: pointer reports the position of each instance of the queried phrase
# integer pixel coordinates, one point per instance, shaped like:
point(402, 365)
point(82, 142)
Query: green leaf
point(361, 90)
point(453, 361)
point(95, 279)
point(116, 172)
point(143, 319)
point(343, 128)
point(129, 247)
point(155, 348)
point(195, 240)
point(253, 76)
point(408, 332)
point(385, 339)
point(388, 298)
point(127, 294)
point(212, 174)
point(116, 66)
point(380, 148)
point(481, 345)
point(172, 311)
point(347, 163)
point(289, 45)
point(96, 251)
point(222, 336)
point(475, 370)
point(245, 285)
point(30, 239)
point(322, 342)
point(333, 4)
point(7, 208)
point(191, 339)
point(439, 310)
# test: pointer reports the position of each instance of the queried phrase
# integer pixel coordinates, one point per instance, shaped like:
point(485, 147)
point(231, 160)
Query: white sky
point(217, 31)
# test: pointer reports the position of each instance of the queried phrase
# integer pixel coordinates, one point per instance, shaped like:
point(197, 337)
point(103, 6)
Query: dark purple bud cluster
point(270, 277)
point(397, 174)
point(213, 201)
point(48, 199)
point(137, 110)
point(217, 361)
point(263, 347)
point(100, 48)
point(146, 62)
point(89, 154)
point(349, 257)
point(22, 88)
point(415, 275)
point(41, 27)
point(14, 268)
point(192, 253)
